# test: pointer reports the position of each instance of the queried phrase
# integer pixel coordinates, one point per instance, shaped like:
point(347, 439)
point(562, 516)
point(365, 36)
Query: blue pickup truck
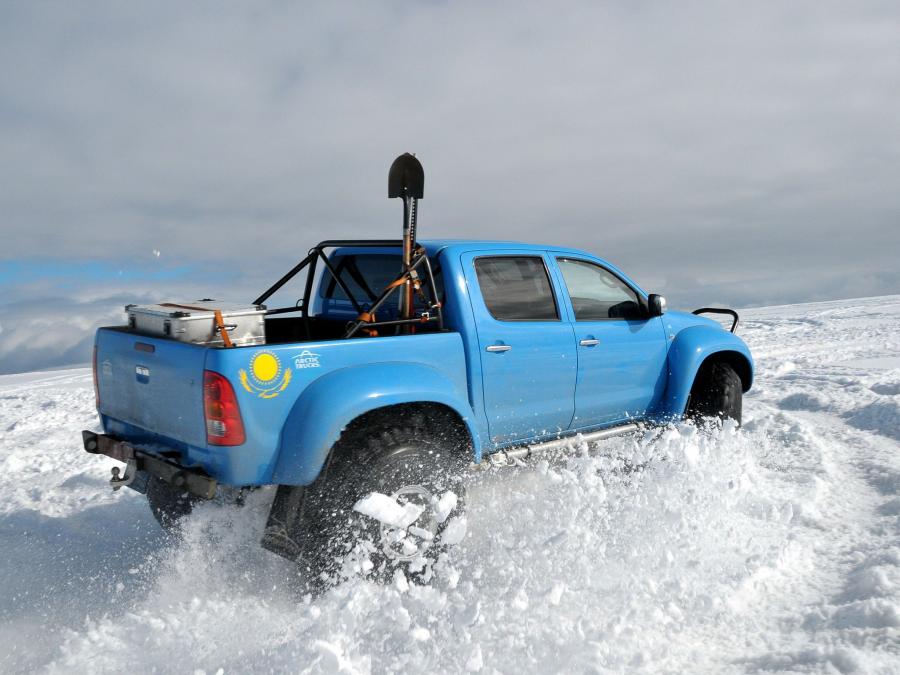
point(535, 345)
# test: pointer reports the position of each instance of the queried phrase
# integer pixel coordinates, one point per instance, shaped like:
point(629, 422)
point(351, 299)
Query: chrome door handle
point(589, 343)
point(498, 348)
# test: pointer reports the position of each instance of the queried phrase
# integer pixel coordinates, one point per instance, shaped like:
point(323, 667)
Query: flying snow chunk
point(455, 531)
point(475, 662)
point(420, 634)
point(400, 582)
point(445, 506)
point(385, 510)
point(555, 594)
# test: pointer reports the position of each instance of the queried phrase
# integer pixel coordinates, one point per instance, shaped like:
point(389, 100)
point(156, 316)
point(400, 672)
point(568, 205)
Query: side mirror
point(656, 304)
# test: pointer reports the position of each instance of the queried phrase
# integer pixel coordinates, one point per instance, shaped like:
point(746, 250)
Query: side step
point(513, 455)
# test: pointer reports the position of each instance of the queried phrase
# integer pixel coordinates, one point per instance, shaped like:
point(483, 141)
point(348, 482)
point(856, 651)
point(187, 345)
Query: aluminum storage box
point(195, 322)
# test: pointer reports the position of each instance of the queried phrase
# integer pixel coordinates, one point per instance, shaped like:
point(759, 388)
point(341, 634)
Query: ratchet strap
point(368, 317)
point(220, 324)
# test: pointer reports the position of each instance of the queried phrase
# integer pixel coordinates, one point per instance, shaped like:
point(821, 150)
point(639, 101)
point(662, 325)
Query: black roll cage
point(366, 315)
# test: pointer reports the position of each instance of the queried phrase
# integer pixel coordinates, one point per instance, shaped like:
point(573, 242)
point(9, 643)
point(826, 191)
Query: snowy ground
point(776, 548)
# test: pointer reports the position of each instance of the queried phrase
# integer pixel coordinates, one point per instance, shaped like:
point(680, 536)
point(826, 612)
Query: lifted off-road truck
point(401, 365)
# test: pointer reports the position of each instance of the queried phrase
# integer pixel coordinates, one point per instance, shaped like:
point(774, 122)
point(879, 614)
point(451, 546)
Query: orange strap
point(415, 286)
point(220, 324)
point(368, 318)
point(217, 313)
point(396, 282)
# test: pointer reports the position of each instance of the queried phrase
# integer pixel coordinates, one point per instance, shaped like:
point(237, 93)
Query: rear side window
point(597, 293)
point(516, 288)
point(365, 275)
point(368, 275)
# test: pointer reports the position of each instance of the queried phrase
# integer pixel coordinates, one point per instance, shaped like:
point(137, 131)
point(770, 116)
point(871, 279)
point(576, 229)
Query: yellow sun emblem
point(266, 379)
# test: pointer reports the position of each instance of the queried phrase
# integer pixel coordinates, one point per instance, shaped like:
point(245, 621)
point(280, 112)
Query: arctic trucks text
point(347, 397)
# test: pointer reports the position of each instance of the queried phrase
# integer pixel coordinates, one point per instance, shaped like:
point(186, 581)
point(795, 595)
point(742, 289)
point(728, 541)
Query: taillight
point(223, 416)
point(96, 382)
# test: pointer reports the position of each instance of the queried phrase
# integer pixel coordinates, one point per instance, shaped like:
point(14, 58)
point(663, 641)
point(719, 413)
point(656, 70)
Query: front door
point(621, 352)
point(528, 357)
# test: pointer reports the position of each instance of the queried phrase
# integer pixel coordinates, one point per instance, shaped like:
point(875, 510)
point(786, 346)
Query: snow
point(775, 547)
point(385, 510)
point(455, 531)
point(445, 505)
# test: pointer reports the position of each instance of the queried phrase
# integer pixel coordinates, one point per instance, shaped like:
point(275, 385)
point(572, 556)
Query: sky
point(741, 154)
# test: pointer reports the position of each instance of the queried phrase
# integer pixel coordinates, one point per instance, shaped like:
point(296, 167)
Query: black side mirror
point(656, 305)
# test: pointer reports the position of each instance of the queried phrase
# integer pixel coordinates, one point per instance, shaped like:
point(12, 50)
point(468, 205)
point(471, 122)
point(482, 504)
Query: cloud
point(47, 321)
point(743, 153)
point(53, 332)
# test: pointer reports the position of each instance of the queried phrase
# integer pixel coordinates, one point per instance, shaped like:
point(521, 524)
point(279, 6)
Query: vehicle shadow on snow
point(58, 570)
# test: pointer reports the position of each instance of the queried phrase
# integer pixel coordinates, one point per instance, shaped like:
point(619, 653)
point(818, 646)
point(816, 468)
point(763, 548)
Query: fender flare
point(333, 401)
point(689, 350)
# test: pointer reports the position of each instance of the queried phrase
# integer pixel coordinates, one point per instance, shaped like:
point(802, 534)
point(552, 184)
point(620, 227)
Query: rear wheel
point(407, 487)
point(168, 503)
point(717, 392)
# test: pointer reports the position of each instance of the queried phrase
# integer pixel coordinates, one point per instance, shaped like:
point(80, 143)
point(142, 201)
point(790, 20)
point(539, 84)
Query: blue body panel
point(624, 376)
point(548, 383)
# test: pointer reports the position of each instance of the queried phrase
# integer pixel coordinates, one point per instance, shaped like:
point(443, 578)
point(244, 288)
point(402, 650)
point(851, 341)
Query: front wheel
point(717, 392)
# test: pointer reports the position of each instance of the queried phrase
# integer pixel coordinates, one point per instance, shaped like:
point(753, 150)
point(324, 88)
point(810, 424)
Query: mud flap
point(283, 528)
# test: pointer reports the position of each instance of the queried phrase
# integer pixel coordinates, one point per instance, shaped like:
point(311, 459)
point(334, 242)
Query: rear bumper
point(191, 480)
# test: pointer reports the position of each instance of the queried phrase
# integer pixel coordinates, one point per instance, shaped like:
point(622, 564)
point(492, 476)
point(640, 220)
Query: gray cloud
point(745, 154)
point(52, 331)
point(47, 327)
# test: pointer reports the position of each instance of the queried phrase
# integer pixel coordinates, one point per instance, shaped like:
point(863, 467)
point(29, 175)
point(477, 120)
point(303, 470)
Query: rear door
point(527, 350)
point(621, 352)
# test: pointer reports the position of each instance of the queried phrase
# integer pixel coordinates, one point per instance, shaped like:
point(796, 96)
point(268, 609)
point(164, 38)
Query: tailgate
point(152, 383)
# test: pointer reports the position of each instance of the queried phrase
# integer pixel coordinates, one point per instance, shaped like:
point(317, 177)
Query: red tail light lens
point(223, 416)
point(96, 381)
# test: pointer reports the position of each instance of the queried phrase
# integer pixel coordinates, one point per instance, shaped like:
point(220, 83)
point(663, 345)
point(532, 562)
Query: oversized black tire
point(168, 503)
point(406, 459)
point(717, 393)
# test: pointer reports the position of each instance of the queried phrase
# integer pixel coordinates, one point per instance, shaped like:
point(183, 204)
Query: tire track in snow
point(855, 624)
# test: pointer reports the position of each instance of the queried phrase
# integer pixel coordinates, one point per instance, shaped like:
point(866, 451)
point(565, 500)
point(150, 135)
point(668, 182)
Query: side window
point(597, 293)
point(516, 288)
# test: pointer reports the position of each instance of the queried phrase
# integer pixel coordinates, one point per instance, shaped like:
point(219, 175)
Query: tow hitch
point(138, 463)
point(130, 472)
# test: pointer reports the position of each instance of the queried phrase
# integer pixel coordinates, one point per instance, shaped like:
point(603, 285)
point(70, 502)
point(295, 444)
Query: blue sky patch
point(64, 274)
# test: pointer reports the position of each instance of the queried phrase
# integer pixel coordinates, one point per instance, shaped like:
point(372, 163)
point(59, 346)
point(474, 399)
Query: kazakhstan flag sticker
point(266, 378)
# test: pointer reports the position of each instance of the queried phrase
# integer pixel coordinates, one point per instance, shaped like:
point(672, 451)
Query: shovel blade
point(406, 177)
